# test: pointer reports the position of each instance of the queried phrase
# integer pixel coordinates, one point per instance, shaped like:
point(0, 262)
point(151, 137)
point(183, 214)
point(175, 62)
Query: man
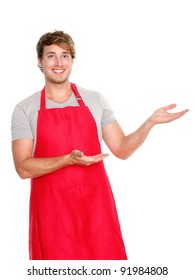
point(56, 136)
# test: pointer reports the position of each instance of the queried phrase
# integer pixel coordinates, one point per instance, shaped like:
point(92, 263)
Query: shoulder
point(26, 110)
point(30, 103)
point(93, 96)
point(88, 93)
point(33, 98)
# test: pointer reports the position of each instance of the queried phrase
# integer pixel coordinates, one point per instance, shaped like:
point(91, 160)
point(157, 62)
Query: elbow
point(23, 176)
point(122, 151)
point(122, 155)
point(22, 173)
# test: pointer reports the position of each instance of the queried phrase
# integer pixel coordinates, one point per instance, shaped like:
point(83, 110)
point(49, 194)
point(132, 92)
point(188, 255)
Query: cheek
point(47, 64)
point(68, 65)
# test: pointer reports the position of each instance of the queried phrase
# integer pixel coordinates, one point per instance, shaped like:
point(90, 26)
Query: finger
point(174, 116)
point(179, 114)
point(77, 153)
point(100, 157)
point(105, 155)
point(185, 111)
point(169, 107)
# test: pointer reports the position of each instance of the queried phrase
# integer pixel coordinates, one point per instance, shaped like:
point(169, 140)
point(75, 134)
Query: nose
point(58, 61)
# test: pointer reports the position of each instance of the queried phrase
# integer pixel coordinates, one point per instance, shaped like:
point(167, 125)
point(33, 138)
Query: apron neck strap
point(74, 89)
point(77, 95)
point(43, 100)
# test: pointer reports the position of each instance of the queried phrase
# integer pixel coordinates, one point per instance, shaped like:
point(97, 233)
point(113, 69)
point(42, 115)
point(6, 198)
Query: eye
point(66, 56)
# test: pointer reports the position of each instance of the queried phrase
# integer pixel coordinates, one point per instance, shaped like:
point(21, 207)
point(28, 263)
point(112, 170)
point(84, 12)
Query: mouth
point(58, 71)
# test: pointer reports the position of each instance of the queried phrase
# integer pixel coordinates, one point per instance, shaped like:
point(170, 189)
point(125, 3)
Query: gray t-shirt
point(24, 117)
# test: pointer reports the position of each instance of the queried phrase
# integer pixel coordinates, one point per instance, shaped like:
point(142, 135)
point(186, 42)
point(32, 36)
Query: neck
point(58, 92)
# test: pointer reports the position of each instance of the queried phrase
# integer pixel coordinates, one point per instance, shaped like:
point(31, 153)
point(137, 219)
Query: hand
point(162, 116)
point(78, 157)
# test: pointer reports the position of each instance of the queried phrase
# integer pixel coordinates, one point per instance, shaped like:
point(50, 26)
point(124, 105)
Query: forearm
point(122, 146)
point(130, 143)
point(36, 167)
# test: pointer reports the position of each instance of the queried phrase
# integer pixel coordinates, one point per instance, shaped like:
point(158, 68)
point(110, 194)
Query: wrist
point(151, 122)
point(68, 160)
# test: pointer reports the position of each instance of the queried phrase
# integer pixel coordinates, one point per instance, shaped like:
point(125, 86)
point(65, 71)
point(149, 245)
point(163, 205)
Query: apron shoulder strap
point(74, 89)
point(43, 100)
point(77, 94)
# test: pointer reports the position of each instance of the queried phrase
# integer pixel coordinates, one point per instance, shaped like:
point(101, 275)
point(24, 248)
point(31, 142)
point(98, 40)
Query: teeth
point(58, 71)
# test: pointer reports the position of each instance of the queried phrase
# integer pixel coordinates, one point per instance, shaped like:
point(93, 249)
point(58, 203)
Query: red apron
point(72, 211)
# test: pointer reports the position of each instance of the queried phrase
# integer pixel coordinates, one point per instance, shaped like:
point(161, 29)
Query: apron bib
point(72, 211)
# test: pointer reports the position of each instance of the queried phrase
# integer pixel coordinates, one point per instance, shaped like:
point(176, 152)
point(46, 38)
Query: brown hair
point(58, 38)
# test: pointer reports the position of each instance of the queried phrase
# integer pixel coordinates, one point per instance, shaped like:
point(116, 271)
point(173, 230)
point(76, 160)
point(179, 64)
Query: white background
point(140, 55)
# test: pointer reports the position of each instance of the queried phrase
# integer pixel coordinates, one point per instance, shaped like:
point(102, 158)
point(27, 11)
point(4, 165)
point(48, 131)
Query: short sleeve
point(108, 115)
point(20, 124)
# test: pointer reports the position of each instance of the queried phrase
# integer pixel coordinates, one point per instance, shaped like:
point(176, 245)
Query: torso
point(24, 120)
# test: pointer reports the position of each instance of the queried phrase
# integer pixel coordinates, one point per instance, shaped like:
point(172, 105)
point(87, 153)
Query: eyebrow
point(65, 52)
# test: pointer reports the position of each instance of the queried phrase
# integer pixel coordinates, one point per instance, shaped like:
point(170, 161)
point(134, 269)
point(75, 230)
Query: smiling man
point(56, 141)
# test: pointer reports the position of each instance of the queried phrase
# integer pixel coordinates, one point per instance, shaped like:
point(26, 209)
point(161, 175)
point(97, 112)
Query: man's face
point(56, 64)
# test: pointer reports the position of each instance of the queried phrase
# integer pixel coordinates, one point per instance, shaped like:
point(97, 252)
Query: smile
point(58, 71)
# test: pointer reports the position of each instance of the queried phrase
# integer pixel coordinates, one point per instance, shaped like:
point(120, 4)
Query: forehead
point(55, 49)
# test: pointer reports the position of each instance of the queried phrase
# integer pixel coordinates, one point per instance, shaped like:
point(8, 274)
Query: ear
point(39, 63)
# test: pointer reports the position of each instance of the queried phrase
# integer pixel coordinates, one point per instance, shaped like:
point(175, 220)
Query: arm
point(29, 167)
point(122, 146)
